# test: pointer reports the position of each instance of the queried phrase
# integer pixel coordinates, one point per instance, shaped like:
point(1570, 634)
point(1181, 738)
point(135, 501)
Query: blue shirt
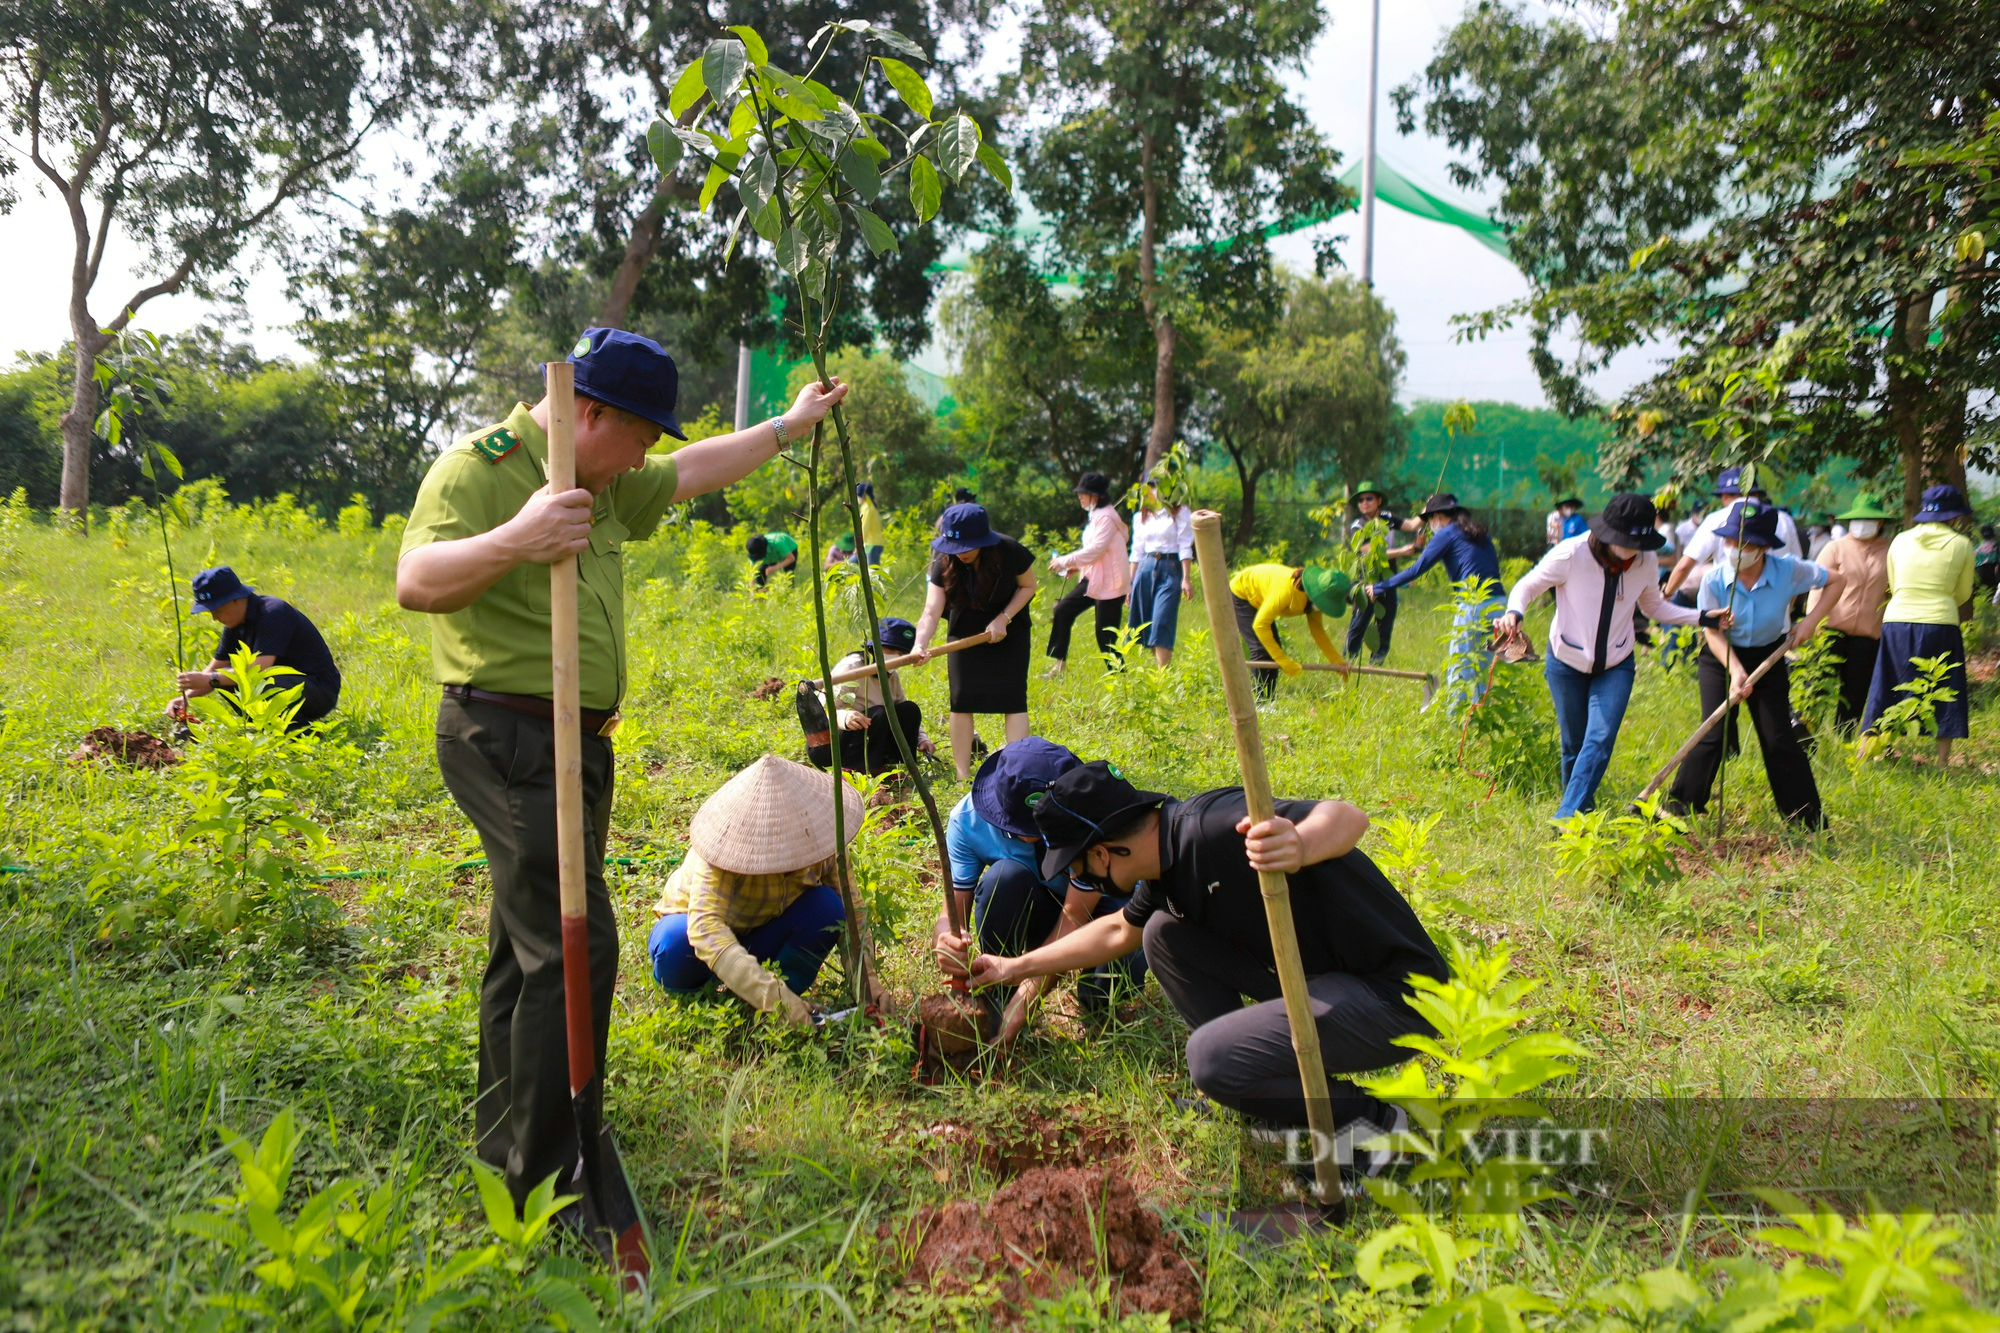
point(1763, 610)
point(974, 844)
point(280, 631)
point(1462, 557)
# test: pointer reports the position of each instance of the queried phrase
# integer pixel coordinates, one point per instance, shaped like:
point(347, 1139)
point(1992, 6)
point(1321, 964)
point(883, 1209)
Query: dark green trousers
point(500, 767)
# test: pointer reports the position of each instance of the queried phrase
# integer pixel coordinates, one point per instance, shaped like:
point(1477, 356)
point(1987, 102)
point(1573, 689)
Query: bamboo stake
point(1276, 888)
point(1708, 724)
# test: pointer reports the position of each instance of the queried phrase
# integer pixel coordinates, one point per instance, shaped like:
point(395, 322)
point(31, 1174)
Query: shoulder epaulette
point(496, 444)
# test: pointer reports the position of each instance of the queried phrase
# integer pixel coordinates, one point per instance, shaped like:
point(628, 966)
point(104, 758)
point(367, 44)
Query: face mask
point(1621, 553)
point(1865, 528)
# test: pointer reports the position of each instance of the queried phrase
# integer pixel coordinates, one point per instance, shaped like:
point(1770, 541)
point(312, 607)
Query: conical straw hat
point(774, 816)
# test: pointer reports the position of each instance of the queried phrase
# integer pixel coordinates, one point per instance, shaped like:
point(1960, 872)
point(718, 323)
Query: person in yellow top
point(756, 887)
point(871, 522)
point(1264, 594)
point(1930, 594)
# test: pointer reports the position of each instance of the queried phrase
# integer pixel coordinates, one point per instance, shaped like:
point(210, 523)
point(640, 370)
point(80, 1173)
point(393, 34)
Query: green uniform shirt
point(778, 548)
point(501, 642)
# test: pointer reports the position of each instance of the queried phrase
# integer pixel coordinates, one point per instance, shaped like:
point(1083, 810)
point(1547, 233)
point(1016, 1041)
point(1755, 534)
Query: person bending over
point(772, 550)
point(1262, 595)
point(1013, 904)
point(861, 718)
point(756, 887)
point(278, 632)
point(1191, 870)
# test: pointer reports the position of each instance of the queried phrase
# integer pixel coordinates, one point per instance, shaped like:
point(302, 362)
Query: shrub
point(1620, 850)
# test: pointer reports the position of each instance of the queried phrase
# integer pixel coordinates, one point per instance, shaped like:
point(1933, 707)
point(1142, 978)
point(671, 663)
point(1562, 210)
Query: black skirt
point(992, 678)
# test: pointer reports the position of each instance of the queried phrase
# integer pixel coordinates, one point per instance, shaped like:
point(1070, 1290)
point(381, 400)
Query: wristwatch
point(778, 429)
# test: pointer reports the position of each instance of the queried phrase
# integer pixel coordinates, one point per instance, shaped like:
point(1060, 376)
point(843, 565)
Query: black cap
point(1094, 484)
point(1627, 520)
point(1079, 806)
point(1444, 502)
point(218, 587)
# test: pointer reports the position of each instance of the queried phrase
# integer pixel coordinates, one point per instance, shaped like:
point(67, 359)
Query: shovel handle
point(907, 659)
point(1708, 724)
point(563, 670)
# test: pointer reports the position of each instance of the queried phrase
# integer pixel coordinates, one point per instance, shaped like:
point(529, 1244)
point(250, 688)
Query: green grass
point(778, 1169)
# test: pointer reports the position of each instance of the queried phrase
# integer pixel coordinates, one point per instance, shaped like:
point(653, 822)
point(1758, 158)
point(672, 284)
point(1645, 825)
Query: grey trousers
point(1241, 1056)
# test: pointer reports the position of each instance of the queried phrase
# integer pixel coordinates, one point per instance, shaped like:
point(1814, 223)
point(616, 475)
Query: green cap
point(1866, 504)
point(1326, 589)
point(1369, 488)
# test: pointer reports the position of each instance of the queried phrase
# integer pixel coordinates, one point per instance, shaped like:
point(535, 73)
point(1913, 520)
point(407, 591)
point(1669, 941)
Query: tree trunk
point(1905, 392)
point(1162, 438)
point(79, 423)
point(1246, 477)
point(640, 247)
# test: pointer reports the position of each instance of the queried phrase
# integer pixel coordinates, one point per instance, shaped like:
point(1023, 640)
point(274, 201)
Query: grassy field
point(139, 1019)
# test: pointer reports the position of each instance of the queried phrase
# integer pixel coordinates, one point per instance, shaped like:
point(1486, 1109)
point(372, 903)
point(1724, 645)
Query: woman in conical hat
point(756, 887)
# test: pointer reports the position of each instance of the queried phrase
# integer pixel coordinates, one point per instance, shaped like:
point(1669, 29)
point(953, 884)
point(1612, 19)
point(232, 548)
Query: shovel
point(611, 1216)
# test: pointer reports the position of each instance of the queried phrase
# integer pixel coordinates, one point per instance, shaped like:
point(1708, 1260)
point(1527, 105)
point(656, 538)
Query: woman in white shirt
point(1162, 572)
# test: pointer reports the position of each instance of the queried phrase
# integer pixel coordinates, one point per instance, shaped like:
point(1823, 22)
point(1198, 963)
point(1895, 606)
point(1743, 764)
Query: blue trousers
point(1472, 630)
point(1380, 608)
point(799, 938)
point(1156, 600)
point(1013, 912)
point(1589, 710)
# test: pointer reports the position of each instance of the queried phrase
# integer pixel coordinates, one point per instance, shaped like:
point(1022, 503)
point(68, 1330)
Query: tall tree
point(1172, 142)
point(1315, 387)
point(188, 125)
point(1763, 186)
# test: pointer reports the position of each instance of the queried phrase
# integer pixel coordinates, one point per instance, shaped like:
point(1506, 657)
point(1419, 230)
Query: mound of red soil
point(139, 749)
point(1045, 1233)
point(770, 689)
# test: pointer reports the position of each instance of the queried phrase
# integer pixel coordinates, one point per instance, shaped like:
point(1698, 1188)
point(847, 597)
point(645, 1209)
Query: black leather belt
point(595, 722)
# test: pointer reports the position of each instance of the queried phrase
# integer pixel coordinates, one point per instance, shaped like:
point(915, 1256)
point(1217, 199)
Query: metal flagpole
point(1368, 162)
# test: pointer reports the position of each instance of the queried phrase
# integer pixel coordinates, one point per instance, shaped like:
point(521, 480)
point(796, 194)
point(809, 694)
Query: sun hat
point(1012, 774)
point(1627, 520)
point(1368, 487)
point(1576, 500)
point(1326, 588)
point(1941, 504)
point(964, 527)
point(1078, 806)
point(1867, 504)
point(1444, 502)
point(631, 372)
point(772, 817)
point(844, 542)
point(1729, 481)
point(1751, 524)
point(1094, 484)
point(864, 490)
point(895, 634)
point(219, 587)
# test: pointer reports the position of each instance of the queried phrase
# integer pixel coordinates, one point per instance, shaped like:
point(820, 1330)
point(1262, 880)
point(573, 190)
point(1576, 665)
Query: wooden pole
point(1276, 888)
point(1708, 724)
point(908, 659)
point(1430, 681)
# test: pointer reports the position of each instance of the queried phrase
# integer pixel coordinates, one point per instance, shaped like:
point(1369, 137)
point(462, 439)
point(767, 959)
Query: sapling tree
point(131, 378)
point(805, 163)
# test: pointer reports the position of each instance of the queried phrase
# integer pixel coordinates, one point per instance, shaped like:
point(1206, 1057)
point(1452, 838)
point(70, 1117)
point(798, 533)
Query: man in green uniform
point(475, 554)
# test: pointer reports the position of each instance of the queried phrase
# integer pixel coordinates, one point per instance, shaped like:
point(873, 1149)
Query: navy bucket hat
point(1013, 773)
point(894, 634)
point(964, 527)
point(1729, 481)
point(1751, 524)
point(219, 587)
point(1941, 504)
point(631, 372)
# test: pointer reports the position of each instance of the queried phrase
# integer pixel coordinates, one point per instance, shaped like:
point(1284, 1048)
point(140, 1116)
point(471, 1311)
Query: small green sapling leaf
point(958, 146)
point(664, 145)
point(687, 90)
point(909, 85)
point(926, 190)
point(722, 66)
point(759, 54)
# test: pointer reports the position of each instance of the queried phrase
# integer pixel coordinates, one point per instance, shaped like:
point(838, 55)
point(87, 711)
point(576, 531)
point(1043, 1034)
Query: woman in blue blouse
point(1464, 547)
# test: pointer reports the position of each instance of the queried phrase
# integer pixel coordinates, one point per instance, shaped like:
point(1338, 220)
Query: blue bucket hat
point(1730, 481)
point(1941, 504)
point(629, 371)
point(219, 587)
point(1013, 773)
point(894, 634)
point(964, 527)
point(1751, 524)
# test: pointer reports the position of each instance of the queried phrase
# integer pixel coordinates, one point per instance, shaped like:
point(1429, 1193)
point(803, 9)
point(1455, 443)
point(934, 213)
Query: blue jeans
point(799, 938)
point(1472, 631)
point(872, 555)
point(1589, 710)
point(1156, 600)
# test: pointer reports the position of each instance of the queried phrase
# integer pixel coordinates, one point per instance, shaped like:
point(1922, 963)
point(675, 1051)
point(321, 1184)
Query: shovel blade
point(611, 1216)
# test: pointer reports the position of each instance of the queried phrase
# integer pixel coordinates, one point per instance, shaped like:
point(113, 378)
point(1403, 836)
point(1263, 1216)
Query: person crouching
point(756, 887)
point(860, 716)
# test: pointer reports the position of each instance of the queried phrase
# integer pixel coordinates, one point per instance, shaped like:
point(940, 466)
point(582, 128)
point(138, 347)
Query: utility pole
point(1368, 162)
point(742, 386)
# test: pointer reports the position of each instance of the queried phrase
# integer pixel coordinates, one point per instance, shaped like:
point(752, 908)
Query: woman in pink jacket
point(1106, 574)
point(1599, 582)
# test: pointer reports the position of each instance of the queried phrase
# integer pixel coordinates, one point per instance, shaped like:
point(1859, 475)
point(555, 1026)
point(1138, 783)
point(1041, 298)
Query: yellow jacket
point(1270, 589)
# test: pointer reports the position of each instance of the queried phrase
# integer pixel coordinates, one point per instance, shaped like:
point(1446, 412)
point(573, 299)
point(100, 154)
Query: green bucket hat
point(1369, 488)
point(1866, 504)
point(1326, 589)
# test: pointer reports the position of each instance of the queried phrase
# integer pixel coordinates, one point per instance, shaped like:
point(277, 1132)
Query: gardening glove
point(747, 979)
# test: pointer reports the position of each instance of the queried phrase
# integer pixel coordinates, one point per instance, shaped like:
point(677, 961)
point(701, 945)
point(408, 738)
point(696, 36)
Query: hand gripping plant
point(805, 164)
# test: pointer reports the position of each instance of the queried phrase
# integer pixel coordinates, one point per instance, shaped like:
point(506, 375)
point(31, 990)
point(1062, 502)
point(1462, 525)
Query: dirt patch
point(950, 1029)
point(770, 689)
point(138, 749)
point(1983, 666)
point(1763, 849)
point(1053, 1229)
point(1017, 1147)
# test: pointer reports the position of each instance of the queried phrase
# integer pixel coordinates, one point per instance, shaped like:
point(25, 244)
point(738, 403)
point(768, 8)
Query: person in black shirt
point(276, 631)
point(1369, 505)
point(981, 582)
point(1191, 870)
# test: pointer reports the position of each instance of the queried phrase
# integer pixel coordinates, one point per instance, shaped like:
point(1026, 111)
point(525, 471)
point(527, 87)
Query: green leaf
point(743, 120)
point(870, 148)
point(791, 251)
point(958, 145)
point(735, 231)
point(875, 232)
point(859, 171)
point(497, 1202)
point(768, 222)
point(909, 85)
point(566, 1301)
point(996, 166)
point(760, 55)
point(687, 90)
point(716, 176)
point(926, 190)
point(895, 41)
point(665, 147)
point(757, 182)
point(173, 463)
point(722, 66)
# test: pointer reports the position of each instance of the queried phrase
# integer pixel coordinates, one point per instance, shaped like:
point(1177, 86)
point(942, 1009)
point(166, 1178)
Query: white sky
point(1427, 272)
